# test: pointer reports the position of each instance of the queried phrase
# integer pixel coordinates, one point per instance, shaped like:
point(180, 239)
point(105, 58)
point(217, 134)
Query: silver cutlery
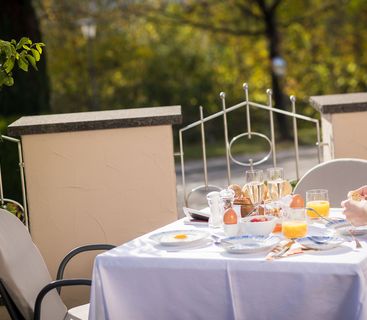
point(358, 244)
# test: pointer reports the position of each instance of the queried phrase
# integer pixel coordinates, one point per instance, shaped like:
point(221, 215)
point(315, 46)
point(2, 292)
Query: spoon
point(316, 240)
point(358, 244)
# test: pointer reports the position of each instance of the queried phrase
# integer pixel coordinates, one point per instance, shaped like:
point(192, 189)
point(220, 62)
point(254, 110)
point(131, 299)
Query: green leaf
point(26, 47)
point(39, 47)
point(36, 54)
point(23, 64)
point(22, 42)
point(9, 81)
point(9, 65)
point(32, 60)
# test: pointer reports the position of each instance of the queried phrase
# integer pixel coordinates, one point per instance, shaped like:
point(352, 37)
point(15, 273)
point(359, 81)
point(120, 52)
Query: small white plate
point(337, 223)
point(248, 243)
point(320, 230)
point(343, 227)
point(320, 242)
point(356, 231)
point(179, 237)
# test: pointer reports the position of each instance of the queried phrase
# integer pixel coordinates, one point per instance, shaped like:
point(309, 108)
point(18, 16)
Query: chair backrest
point(337, 176)
point(23, 270)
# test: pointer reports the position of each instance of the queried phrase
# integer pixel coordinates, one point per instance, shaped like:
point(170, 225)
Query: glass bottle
point(230, 217)
point(216, 209)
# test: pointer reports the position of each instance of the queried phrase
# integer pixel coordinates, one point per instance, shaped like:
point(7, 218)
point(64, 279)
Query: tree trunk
point(272, 35)
point(30, 93)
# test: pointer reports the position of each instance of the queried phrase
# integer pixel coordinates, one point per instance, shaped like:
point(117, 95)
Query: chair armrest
point(74, 252)
point(56, 284)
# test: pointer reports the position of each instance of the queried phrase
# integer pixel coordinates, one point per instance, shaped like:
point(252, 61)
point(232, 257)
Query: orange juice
point(294, 229)
point(321, 206)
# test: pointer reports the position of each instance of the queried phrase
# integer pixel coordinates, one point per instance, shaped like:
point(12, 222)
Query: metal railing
point(249, 134)
point(3, 200)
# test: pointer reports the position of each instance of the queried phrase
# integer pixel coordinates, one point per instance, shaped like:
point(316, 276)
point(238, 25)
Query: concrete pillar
point(344, 124)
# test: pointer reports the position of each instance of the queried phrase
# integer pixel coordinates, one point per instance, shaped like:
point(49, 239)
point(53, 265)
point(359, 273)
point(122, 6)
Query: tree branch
point(247, 11)
point(155, 15)
point(308, 14)
point(275, 5)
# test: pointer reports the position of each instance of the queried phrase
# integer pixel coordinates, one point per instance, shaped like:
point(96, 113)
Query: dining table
point(144, 279)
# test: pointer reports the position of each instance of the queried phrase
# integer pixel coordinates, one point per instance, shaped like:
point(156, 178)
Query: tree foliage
point(30, 92)
point(23, 53)
point(152, 52)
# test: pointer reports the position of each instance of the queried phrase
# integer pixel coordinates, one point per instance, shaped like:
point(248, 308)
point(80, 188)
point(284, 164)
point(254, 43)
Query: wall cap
point(96, 120)
point(340, 103)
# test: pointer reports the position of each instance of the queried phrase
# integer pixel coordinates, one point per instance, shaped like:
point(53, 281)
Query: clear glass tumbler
point(318, 200)
point(294, 223)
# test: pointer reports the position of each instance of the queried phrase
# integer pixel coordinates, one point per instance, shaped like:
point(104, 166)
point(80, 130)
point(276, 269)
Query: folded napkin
point(279, 250)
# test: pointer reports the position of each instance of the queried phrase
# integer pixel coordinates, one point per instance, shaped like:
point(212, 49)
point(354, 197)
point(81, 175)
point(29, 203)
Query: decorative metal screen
point(247, 104)
point(3, 200)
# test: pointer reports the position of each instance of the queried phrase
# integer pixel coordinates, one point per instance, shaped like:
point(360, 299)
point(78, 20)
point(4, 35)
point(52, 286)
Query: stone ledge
point(97, 120)
point(340, 103)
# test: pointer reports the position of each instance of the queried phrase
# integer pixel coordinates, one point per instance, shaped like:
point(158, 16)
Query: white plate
point(203, 214)
point(179, 237)
point(356, 231)
point(337, 223)
point(321, 242)
point(320, 230)
point(248, 243)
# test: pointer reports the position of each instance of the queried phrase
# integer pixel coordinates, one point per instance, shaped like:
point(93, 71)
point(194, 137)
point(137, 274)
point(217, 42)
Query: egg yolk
point(180, 236)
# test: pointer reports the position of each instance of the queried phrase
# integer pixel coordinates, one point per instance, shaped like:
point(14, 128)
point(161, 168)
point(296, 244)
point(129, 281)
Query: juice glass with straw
point(294, 223)
point(318, 200)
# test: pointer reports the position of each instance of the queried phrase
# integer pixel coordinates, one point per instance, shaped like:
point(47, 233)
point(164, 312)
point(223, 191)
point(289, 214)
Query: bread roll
point(354, 195)
point(237, 190)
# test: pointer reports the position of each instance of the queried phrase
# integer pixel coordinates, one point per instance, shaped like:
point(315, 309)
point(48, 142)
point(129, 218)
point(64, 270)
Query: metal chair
point(337, 176)
point(25, 282)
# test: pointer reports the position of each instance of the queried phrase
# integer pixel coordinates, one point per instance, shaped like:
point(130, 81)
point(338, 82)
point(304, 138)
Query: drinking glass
point(255, 185)
point(318, 200)
point(275, 183)
point(294, 223)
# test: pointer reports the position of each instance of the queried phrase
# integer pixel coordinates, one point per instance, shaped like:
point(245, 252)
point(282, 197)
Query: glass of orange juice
point(294, 223)
point(318, 200)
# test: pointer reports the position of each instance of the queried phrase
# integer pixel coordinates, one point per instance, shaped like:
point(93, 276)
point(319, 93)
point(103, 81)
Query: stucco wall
point(97, 186)
point(349, 134)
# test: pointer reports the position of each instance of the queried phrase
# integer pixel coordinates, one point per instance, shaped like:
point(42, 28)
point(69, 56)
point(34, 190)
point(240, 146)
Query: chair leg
point(9, 303)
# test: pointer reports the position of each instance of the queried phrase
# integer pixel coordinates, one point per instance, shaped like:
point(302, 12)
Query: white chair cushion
point(24, 271)
point(78, 313)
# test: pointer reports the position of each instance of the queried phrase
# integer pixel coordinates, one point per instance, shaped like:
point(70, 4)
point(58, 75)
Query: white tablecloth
point(141, 281)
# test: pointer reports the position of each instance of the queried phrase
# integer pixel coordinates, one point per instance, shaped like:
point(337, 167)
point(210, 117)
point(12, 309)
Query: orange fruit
point(297, 201)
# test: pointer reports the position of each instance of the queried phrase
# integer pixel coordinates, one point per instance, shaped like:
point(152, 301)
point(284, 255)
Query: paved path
point(217, 173)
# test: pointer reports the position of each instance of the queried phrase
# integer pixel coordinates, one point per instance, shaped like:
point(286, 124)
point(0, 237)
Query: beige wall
point(346, 134)
point(97, 186)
